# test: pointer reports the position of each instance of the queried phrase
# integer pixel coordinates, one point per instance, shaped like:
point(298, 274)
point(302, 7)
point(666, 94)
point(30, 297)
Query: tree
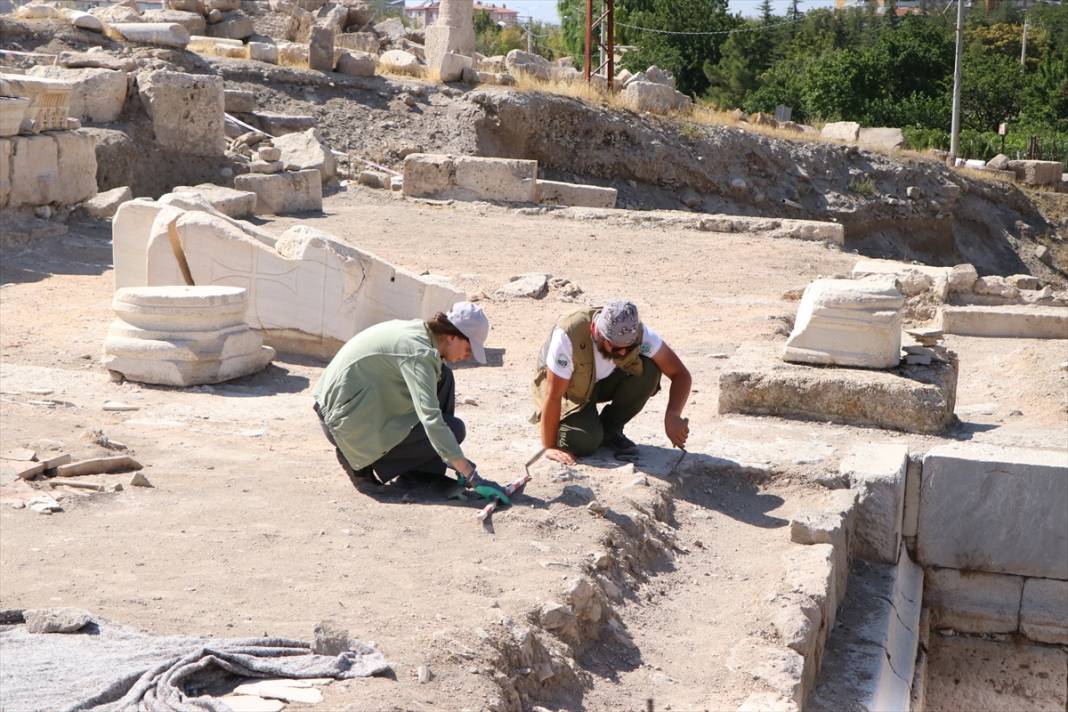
point(743, 58)
point(685, 55)
point(990, 89)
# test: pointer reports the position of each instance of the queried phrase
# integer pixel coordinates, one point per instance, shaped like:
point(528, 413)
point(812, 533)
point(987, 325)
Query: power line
point(749, 28)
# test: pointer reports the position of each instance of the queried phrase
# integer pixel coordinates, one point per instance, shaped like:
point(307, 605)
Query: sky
point(545, 10)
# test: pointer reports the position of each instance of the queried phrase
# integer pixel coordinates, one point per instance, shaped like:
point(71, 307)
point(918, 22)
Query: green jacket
point(380, 385)
point(580, 389)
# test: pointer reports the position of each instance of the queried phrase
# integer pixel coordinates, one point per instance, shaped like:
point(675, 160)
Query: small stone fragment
point(139, 480)
point(118, 406)
point(330, 639)
point(424, 674)
point(56, 620)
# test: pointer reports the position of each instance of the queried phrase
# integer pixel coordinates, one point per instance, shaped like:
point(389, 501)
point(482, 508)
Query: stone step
point(1011, 321)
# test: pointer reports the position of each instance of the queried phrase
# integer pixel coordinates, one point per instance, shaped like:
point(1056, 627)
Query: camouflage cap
point(619, 323)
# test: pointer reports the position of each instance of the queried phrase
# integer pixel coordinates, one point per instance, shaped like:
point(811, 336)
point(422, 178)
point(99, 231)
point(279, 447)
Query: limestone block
point(585, 196)
point(97, 95)
point(869, 663)
point(239, 101)
point(278, 124)
point(112, 14)
point(1024, 281)
point(5, 171)
point(183, 336)
point(234, 25)
point(333, 17)
point(234, 203)
point(56, 620)
point(218, 47)
point(833, 524)
point(973, 602)
point(263, 52)
point(847, 323)
point(870, 267)
point(365, 42)
point(778, 668)
point(877, 471)
point(451, 67)
point(911, 518)
point(912, 398)
point(653, 97)
point(186, 110)
point(392, 29)
point(885, 139)
point(282, 193)
point(1016, 497)
point(82, 20)
point(321, 48)
point(397, 60)
point(76, 161)
point(193, 22)
point(1036, 172)
point(34, 170)
point(104, 205)
point(49, 99)
point(163, 34)
point(659, 76)
point(810, 571)
point(309, 292)
point(519, 63)
point(1009, 321)
point(962, 278)
point(196, 6)
point(266, 166)
point(1044, 611)
point(222, 5)
point(356, 64)
point(847, 131)
point(307, 150)
point(470, 178)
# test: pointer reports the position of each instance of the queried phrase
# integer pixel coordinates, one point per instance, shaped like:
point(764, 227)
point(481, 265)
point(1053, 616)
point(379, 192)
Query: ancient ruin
point(202, 203)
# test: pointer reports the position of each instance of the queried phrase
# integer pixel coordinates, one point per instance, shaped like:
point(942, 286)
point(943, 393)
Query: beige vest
point(583, 381)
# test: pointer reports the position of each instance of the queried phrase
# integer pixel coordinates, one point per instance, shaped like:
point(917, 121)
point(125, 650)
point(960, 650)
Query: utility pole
point(530, 34)
point(605, 42)
point(954, 131)
point(1023, 41)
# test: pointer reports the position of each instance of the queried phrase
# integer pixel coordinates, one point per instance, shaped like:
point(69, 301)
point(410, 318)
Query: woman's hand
point(559, 455)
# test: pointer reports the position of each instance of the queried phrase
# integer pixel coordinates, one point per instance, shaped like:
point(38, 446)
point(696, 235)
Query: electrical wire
point(749, 28)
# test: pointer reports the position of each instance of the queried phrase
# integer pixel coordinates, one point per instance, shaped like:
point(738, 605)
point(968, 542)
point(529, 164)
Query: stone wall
point(55, 168)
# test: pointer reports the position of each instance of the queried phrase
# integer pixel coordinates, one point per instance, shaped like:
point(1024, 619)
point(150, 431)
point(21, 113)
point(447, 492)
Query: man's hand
point(560, 456)
point(677, 429)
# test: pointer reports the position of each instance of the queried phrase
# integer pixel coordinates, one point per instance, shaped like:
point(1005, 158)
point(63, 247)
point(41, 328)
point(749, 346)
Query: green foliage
point(862, 186)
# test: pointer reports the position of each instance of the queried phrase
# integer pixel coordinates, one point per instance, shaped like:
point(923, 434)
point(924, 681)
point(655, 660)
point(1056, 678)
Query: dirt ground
point(251, 528)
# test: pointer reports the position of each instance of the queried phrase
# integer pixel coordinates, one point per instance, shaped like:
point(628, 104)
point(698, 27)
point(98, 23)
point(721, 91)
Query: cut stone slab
point(886, 139)
point(98, 466)
point(586, 196)
point(321, 48)
point(76, 162)
point(877, 471)
point(1011, 321)
point(356, 64)
point(283, 193)
point(1044, 611)
point(653, 97)
point(235, 203)
point(309, 292)
point(397, 60)
point(911, 398)
point(97, 95)
point(34, 170)
point(870, 659)
point(531, 286)
point(429, 175)
point(1016, 497)
point(845, 322)
point(239, 101)
point(1036, 172)
point(973, 602)
point(993, 676)
point(869, 267)
point(186, 110)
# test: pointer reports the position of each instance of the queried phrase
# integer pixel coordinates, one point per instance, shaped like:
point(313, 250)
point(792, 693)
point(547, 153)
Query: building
point(427, 13)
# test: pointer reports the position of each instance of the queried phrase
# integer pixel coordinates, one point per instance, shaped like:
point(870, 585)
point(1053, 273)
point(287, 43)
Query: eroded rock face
point(845, 322)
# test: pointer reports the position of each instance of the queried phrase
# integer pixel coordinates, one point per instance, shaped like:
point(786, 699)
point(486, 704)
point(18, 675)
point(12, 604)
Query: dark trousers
point(414, 454)
point(581, 433)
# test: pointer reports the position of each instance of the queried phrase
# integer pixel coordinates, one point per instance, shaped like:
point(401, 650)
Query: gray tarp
point(112, 668)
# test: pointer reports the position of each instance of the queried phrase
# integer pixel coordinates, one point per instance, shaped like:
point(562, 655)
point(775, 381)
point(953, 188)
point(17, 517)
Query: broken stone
point(962, 278)
point(519, 63)
point(19, 454)
point(139, 480)
point(356, 64)
point(845, 131)
point(392, 29)
point(996, 287)
point(117, 406)
point(56, 620)
point(424, 675)
point(847, 323)
point(373, 179)
point(556, 616)
point(585, 196)
point(654, 98)
point(97, 95)
point(885, 139)
point(266, 167)
point(877, 471)
point(1024, 281)
point(98, 466)
point(781, 669)
point(43, 504)
point(330, 639)
point(306, 150)
point(263, 52)
point(234, 25)
point(281, 690)
point(399, 61)
point(239, 101)
point(531, 286)
point(103, 205)
point(230, 202)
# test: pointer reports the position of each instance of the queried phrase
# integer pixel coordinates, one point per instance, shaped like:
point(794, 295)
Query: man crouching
point(603, 355)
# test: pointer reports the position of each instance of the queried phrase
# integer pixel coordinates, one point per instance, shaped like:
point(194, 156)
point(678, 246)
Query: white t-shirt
point(560, 357)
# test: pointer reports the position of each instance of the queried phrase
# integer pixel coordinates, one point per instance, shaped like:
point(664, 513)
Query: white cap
point(472, 323)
